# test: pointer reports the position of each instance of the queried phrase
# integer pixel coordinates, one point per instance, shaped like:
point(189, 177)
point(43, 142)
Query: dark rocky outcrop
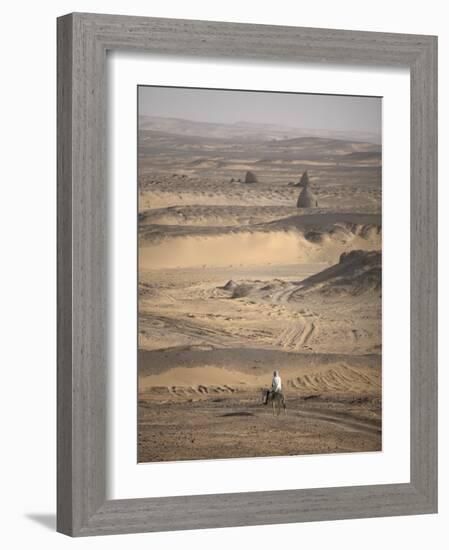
point(357, 272)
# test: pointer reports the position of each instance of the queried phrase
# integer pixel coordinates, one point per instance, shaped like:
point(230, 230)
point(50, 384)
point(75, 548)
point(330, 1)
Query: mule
point(276, 399)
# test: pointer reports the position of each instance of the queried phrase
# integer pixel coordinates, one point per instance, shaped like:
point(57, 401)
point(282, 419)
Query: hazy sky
point(330, 112)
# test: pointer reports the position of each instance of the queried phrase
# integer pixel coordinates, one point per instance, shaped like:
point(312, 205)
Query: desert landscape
point(259, 250)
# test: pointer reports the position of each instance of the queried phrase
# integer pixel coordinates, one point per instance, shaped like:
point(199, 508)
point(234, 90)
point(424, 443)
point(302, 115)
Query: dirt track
point(238, 425)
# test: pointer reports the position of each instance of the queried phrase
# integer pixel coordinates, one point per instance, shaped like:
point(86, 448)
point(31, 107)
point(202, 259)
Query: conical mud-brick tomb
point(306, 198)
point(304, 181)
point(250, 177)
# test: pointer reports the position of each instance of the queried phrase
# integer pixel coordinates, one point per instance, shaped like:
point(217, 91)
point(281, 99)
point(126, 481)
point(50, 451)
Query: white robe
point(276, 384)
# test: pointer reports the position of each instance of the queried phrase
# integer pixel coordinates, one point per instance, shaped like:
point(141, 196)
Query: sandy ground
point(235, 281)
point(211, 407)
point(239, 426)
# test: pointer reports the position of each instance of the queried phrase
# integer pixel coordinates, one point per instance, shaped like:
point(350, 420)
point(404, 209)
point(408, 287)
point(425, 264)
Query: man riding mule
point(275, 395)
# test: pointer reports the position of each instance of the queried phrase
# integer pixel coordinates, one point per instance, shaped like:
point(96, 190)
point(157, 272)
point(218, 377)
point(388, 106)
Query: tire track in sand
point(352, 424)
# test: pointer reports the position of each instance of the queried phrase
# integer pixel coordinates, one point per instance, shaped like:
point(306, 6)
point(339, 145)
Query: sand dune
point(178, 246)
point(213, 215)
point(334, 378)
point(357, 272)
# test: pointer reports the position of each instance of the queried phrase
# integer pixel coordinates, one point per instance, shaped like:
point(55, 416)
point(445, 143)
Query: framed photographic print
point(246, 274)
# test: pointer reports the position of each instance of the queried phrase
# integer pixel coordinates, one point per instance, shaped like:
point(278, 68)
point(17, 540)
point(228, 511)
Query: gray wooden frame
point(83, 40)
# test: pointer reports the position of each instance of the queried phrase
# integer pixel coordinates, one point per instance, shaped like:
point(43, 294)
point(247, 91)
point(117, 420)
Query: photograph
point(259, 219)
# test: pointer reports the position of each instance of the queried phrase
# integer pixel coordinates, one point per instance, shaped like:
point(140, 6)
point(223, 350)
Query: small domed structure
point(250, 177)
point(307, 199)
